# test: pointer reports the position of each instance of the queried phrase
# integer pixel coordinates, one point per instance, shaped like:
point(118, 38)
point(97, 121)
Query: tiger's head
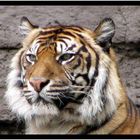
point(66, 72)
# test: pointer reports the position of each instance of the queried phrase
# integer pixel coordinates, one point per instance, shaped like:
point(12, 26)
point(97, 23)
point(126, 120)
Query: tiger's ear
point(104, 33)
point(26, 26)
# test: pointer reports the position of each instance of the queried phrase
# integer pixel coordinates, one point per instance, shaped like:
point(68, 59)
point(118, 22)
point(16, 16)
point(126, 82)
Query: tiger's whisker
point(66, 96)
point(60, 100)
point(26, 91)
point(80, 86)
point(75, 91)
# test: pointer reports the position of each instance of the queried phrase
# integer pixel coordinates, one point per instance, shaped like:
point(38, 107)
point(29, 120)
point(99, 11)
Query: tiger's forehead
point(66, 45)
point(64, 39)
point(60, 45)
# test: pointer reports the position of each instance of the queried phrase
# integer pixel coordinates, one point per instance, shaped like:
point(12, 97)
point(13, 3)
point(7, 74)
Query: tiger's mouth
point(59, 99)
point(62, 101)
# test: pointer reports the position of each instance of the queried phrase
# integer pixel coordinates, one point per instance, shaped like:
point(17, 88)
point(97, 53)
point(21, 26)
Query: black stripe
point(58, 31)
point(88, 60)
point(59, 91)
point(82, 48)
point(130, 109)
point(85, 77)
point(71, 47)
point(65, 100)
point(61, 48)
point(78, 64)
point(45, 32)
point(75, 28)
point(46, 38)
point(135, 114)
point(80, 36)
point(19, 84)
point(103, 96)
point(64, 37)
point(126, 119)
point(95, 127)
point(63, 42)
point(53, 31)
point(69, 34)
point(81, 40)
point(55, 48)
point(96, 70)
point(81, 96)
point(43, 44)
point(58, 85)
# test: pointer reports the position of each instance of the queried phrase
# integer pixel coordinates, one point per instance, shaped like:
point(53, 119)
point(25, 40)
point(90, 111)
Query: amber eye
point(66, 57)
point(31, 57)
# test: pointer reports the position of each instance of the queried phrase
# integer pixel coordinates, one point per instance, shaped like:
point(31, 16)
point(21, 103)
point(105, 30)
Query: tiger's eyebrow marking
point(63, 42)
point(71, 47)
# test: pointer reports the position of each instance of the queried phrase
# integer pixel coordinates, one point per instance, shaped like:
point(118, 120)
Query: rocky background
point(126, 42)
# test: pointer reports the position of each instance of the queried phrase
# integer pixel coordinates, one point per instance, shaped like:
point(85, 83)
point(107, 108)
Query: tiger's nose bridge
point(38, 83)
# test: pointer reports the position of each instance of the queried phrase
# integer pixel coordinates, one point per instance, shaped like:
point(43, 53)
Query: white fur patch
point(91, 72)
point(16, 99)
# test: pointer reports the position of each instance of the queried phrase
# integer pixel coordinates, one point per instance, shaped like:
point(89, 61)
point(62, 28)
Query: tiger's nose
point(38, 83)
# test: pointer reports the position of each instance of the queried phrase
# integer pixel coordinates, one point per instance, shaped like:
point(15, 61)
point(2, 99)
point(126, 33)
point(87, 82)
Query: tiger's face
point(62, 69)
point(58, 69)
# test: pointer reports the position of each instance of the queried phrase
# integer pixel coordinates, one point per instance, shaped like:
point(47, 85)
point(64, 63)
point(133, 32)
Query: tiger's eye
point(31, 57)
point(65, 57)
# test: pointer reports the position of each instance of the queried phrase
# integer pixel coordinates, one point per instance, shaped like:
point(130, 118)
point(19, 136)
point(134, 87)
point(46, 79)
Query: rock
point(126, 19)
point(129, 67)
point(5, 58)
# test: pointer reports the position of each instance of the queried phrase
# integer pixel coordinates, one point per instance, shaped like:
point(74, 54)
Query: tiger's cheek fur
point(15, 95)
point(82, 68)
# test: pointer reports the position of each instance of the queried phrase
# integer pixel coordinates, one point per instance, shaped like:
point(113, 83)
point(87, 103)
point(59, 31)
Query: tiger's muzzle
point(46, 91)
point(38, 83)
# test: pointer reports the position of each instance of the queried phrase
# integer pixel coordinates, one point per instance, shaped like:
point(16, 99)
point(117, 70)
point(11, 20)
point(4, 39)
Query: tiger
point(65, 80)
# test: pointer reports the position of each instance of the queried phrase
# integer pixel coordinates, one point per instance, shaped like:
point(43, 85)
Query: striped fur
point(65, 81)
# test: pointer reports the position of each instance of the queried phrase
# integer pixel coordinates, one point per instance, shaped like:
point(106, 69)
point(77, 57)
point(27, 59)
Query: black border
point(70, 136)
point(69, 3)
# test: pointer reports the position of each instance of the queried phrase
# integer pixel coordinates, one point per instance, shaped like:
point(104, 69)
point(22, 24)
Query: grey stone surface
point(126, 19)
point(129, 66)
point(5, 113)
point(5, 58)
